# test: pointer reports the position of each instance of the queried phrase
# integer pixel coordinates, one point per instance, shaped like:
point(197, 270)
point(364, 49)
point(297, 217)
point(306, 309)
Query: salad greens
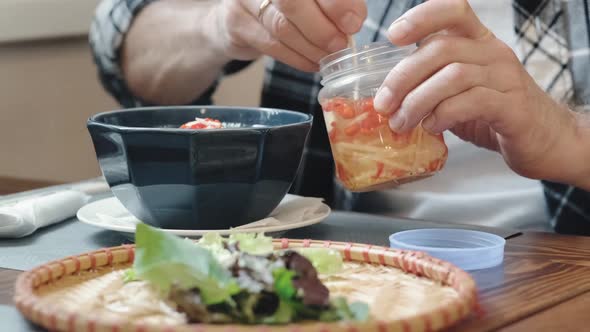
point(164, 259)
point(325, 260)
point(240, 279)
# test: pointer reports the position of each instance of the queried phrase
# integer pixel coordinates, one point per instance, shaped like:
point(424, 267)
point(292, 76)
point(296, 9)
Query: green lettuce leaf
point(284, 283)
point(250, 243)
point(324, 260)
point(164, 260)
point(253, 243)
point(283, 315)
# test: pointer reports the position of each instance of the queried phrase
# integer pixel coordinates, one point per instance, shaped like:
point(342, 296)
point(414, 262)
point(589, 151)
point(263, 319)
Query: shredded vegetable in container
point(367, 153)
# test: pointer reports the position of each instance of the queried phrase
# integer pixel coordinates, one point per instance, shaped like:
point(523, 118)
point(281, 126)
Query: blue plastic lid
point(467, 249)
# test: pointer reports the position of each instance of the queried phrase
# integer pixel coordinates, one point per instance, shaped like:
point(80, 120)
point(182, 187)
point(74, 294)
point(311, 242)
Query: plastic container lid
point(467, 249)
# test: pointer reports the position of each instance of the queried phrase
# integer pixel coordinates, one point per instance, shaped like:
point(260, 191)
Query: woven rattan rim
point(416, 263)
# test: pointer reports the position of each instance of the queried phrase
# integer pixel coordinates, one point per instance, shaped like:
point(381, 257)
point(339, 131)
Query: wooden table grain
point(543, 285)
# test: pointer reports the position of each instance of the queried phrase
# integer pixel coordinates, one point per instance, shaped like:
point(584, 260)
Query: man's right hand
point(296, 32)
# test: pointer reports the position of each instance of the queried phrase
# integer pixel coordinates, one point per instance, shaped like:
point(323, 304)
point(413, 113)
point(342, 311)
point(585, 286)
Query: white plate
point(110, 214)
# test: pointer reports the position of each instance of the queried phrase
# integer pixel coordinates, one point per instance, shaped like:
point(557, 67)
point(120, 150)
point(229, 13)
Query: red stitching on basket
point(397, 261)
point(480, 312)
point(427, 323)
point(406, 326)
point(63, 268)
point(306, 243)
point(199, 328)
point(366, 257)
point(92, 258)
point(53, 321)
point(446, 316)
point(381, 326)
point(381, 258)
point(49, 272)
point(130, 253)
point(72, 322)
point(347, 251)
point(116, 327)
point(76, 264)
point(109, 254)
point(412, 260)
point(91, 325)
point(284, 243)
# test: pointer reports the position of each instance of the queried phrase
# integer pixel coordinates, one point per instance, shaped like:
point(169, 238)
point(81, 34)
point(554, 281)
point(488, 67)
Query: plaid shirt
point(553, 41)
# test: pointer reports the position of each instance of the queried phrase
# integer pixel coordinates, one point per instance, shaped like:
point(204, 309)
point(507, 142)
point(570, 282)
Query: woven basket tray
point(29, 286)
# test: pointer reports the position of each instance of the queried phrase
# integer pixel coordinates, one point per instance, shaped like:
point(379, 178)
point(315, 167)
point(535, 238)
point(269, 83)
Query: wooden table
point(544, 285)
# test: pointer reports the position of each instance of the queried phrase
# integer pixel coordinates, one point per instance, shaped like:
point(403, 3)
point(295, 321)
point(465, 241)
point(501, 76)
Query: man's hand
point(296, 32)
point(464, 79)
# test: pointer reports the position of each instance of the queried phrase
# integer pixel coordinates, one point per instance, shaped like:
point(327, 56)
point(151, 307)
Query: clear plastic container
point(467, 249)
point(368, 155)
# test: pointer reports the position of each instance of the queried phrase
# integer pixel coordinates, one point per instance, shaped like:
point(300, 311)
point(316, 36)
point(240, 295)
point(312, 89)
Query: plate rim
point(189, 232)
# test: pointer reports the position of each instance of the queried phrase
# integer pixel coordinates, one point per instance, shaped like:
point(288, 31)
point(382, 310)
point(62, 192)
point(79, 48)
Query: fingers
point(476, 104)
point(432, 56)
point(455, 16)
point(448, 82)
point(307, 16)
point(282, 29)
point(347, 15)
point(478, 133)
point(252, 33)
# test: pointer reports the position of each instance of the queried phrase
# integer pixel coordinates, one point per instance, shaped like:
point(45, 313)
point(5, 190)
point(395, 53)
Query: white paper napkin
point(25, 213)
point(29, 214)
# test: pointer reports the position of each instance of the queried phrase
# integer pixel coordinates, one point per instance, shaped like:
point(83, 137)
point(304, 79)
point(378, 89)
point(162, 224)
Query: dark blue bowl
point(199, 179)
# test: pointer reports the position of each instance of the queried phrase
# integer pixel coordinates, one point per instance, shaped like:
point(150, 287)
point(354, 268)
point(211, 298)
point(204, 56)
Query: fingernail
point(337, 44)
point(383, 100)
point(350, 23)
point(397, 121)
point(399, 29)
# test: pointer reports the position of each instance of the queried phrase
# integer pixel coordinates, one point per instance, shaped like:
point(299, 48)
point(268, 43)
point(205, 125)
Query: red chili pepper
point(342, 106)
point(401, 138)
point(366, 131)
point(193, 126)
point(380, 167)
point(371, 122)
point(434, 165)
point(346, 111)
point(341, 172)
point(352, 130)
point(202, 124)
point(398, 173)
point(367, 105)
point(333, 135)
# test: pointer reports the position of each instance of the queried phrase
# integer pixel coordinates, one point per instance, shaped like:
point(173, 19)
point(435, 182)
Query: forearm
point(581, 151)
point(169, 56)
point(568, 160)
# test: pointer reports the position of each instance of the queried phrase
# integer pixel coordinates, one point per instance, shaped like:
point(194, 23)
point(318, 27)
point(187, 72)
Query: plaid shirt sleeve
point(553, 37)
point(111, 22)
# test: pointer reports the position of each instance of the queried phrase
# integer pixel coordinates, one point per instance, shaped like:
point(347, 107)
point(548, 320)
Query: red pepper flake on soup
point(199, 123)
